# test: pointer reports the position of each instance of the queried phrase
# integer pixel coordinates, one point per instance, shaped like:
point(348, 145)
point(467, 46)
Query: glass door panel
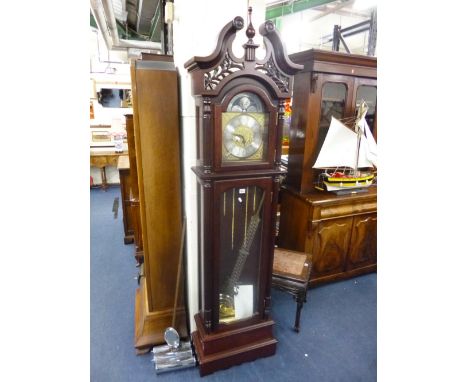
point(333, 105)
point(240, 229)
point(368, 94)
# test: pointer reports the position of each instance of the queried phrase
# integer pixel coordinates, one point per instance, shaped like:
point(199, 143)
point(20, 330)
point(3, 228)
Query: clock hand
point(239, 137)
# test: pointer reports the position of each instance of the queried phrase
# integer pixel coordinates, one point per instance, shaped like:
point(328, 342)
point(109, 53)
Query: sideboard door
point(363, 248)
point(331, 242)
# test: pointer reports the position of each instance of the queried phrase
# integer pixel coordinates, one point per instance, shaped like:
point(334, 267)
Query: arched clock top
point(210, 74)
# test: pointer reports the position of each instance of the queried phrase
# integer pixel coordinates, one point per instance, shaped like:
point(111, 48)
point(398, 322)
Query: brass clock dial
point(242, 136)
point(245, 130)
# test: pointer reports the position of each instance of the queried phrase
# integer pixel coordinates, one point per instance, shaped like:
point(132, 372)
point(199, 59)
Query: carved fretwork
point(224, 69)
point(270, 69)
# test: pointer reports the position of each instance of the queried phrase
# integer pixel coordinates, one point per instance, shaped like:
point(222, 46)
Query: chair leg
point(300, 302)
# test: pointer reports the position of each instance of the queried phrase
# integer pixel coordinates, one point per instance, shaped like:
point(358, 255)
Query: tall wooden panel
point(157, 146)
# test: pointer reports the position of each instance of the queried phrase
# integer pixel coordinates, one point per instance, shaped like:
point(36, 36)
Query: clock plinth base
point(150, 325)
point(221, 350)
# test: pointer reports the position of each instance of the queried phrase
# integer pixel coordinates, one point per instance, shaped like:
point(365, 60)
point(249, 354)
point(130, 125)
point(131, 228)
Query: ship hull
point(332, 183)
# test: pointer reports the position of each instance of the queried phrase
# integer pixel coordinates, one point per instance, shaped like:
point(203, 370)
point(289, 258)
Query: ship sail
point(369, 141)
point(339, 147)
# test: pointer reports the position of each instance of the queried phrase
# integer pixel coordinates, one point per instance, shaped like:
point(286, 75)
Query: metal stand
point(168, 358)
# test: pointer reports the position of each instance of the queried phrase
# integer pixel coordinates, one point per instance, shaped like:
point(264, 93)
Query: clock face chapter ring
point(242, 136)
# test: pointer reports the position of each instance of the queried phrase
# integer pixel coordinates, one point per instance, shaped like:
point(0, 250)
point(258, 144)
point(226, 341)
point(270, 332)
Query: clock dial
point(245, 132)
point(243, 136)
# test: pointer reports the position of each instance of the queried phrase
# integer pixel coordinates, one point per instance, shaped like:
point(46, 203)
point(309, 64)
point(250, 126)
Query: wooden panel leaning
point(291, 272)
point(157, 146)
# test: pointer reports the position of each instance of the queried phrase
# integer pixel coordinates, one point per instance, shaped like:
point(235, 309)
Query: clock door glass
point(241, 215)
point(245, 129)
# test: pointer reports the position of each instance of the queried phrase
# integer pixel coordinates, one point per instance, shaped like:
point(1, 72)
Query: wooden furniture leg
point(103, 178)
point(300, 299)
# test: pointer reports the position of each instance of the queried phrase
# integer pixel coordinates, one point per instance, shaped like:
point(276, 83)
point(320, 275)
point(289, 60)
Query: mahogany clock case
point(238, 173)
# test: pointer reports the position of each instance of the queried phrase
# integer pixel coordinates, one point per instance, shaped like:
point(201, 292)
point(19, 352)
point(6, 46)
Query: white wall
point(196, 28)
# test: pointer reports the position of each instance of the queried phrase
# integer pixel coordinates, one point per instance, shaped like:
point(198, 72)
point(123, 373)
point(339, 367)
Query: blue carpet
point(337, 342)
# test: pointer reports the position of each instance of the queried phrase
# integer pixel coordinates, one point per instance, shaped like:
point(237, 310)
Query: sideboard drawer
point(332, 211)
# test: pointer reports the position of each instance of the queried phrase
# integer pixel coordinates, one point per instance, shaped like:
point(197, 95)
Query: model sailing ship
point(344, 152)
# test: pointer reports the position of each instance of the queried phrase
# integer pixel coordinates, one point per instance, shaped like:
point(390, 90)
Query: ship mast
point(360, 114)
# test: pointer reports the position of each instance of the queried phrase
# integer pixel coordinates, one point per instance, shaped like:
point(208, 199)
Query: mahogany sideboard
point(339, 231)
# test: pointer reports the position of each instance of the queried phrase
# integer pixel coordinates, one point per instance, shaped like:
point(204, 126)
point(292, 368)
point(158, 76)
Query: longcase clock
point(240, 110)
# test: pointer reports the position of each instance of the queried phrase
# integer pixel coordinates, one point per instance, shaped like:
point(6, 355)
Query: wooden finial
point(250, 31)
point(250, 46)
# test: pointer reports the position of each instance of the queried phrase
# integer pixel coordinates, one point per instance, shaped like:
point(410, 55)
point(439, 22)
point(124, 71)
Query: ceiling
point(127, 24)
